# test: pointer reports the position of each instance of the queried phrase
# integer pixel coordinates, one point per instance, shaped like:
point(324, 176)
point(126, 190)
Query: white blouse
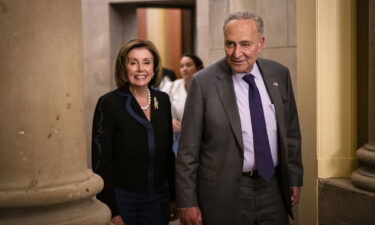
point(177, 94)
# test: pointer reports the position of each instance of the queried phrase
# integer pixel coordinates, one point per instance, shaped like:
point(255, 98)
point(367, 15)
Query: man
point(239, 160)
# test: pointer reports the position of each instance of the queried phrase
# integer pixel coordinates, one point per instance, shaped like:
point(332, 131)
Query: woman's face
point(140, 67)
point(187, 67)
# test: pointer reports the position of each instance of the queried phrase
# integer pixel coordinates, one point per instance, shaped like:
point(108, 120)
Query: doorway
point(169, 27)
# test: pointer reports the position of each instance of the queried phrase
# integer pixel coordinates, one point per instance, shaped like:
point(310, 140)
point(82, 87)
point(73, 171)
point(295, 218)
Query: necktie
point(262, 151)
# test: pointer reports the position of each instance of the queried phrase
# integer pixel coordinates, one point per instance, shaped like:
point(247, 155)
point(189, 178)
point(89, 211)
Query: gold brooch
point(156, 103)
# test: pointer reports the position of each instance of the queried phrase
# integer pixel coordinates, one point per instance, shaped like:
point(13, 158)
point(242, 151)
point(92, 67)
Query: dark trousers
point(261, 203)
point(143, 208)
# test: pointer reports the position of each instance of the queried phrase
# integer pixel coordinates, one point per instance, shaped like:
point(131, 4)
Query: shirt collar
point(254, 71)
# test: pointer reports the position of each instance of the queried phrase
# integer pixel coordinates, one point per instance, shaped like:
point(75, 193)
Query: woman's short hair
point(122, 57)
point(197, 61)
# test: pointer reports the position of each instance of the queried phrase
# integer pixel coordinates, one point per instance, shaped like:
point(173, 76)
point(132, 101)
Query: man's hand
point(117, 220)
point(191, 216)
point(173, 211)
point(295, 194)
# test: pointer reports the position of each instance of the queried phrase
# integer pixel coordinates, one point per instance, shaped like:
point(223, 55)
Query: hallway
point(57, 58)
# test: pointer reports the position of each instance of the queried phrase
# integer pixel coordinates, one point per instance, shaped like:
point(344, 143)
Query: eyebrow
point(133, 58)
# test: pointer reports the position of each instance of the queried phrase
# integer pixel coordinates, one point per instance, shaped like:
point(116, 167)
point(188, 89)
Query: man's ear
point(261, 42)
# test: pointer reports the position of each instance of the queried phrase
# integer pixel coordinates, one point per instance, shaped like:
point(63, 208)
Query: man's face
point(242, 44)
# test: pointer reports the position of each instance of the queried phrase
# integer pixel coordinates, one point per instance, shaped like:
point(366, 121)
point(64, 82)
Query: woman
point(132, 141)
point(177, 91)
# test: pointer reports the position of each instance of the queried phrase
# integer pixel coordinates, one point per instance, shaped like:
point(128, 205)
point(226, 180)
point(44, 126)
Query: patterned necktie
point(262, 151)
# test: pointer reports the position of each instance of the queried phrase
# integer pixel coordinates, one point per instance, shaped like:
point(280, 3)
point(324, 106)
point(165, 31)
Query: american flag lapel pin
point(275, 84)
point(156, 103)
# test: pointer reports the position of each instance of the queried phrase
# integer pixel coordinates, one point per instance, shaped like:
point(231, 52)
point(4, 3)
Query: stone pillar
point(44, 174)
point(364, 176)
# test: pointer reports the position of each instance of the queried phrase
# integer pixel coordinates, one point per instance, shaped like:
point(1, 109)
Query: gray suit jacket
point(210, 157)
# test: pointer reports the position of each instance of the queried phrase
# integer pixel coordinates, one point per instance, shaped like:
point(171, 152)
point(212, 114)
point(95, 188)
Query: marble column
point(364, 176)
point(44, 173)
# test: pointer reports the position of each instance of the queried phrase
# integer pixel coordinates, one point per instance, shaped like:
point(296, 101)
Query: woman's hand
point(117, 220)
point(176, 126)
point(173, 211)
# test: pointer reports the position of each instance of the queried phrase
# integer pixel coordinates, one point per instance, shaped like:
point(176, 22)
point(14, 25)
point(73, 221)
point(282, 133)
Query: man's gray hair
point(246, 16)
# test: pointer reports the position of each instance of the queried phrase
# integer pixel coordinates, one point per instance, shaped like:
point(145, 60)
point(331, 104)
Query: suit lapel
point(272, 85)
point(225, 89)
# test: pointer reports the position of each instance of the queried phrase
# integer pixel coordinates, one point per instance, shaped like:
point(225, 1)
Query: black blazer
point(128, 151)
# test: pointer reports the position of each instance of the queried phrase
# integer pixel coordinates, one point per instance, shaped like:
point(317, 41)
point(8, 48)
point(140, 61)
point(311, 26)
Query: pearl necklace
point(149, 101)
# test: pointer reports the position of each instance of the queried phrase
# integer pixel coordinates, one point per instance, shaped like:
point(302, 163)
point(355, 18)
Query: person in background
point(168, 76)
point(132, 141)
point(189, 64)
point(239, 159)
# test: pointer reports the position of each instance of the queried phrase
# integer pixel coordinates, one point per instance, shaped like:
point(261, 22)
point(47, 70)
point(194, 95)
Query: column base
point(366, 156)
point(364, 179)
point(86, 212)
point(364, 176)
point(51, 195)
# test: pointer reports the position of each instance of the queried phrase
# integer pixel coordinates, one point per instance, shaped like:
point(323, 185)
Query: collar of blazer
point(269, 74)
point(125, 92)
point(227, 96)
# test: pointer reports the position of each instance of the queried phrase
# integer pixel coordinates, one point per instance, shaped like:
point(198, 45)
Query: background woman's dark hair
point(122, 57)
point(197, 61)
